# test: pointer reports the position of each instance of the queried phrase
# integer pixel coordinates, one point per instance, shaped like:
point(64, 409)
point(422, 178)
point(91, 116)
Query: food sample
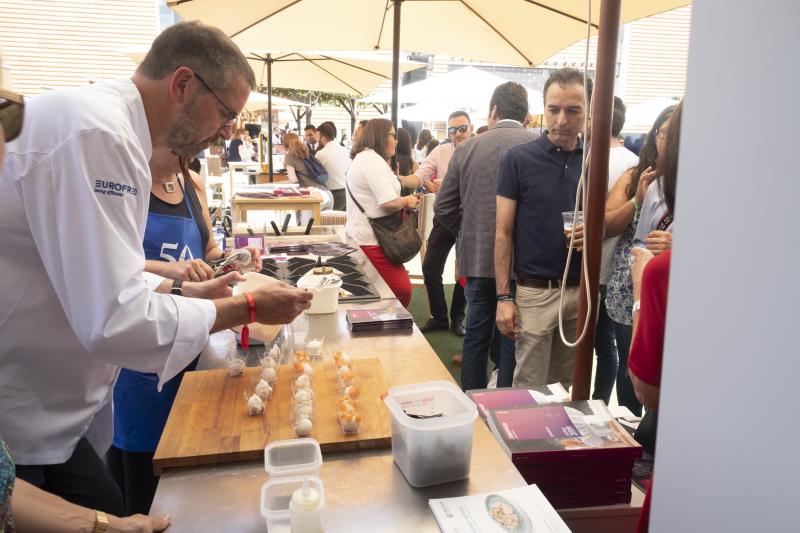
point(263, 390)
point(275, 352)
point(303, 381)
point(303, 426)
point(300, 356)
point(269, 362)
point(304, 408)
point(352, 392)
point(314, 347)
point(349, 422)
point(236, 366)
point(254, 405)
point(270, 375)
point(341, 358)
point(302, 395)
point(346, 379)
point(304, 368)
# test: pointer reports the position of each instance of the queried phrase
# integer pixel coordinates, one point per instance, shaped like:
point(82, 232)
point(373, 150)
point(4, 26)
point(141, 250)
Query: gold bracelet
point(100, 522)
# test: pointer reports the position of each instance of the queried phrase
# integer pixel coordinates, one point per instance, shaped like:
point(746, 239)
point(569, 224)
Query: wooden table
point(240, 206)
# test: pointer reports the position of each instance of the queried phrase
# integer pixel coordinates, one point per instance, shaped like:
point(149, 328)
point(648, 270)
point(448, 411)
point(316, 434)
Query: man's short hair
point(309, 127)
point(459, 113)
point(325, 130)
point(204, 49)
point(511, 100)
point(617, 117)
point(332, 125)
point(567, 76)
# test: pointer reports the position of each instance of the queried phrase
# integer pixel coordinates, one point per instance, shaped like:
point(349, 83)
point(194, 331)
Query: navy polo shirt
point(543, 179)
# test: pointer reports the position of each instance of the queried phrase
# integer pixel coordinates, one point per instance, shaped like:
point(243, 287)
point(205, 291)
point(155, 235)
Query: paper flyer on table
point(520, 510)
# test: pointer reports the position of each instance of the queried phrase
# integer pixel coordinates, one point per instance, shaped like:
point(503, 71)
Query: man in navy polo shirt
point(536, 182)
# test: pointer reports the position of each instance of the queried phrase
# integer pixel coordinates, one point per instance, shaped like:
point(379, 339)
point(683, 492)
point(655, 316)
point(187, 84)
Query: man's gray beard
point(181, 137)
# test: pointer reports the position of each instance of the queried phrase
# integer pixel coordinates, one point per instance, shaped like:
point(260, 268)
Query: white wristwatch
point(636, 306)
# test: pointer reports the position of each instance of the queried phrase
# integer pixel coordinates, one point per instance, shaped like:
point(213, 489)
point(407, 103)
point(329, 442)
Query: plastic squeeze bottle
point(305, 514)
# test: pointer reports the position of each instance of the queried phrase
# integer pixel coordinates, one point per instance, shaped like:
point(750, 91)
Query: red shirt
point(647, 347)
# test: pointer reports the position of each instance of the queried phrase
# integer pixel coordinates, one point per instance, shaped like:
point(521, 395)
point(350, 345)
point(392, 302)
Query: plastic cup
point(571, 219)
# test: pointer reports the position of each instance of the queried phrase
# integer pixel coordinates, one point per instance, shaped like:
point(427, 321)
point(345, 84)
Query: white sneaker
point(493, 380)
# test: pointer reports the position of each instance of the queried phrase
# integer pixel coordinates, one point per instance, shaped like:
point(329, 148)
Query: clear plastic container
point(276, 495)
point(293, 457)
point(435, 445)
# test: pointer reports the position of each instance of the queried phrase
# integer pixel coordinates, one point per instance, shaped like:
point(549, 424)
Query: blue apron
point(140, 411)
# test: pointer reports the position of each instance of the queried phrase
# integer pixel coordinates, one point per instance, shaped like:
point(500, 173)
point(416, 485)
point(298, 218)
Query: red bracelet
point(251, 307)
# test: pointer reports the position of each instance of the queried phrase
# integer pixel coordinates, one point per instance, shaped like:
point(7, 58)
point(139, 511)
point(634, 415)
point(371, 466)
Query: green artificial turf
point(444, 343)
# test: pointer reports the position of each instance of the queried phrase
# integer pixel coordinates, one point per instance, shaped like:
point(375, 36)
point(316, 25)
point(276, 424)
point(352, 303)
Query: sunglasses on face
point(460, 129)
point(12, 110)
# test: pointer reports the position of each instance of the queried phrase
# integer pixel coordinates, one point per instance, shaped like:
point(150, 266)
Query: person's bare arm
point(37, 510)
point(503, 248)
point(619, 208)
point(401, 202)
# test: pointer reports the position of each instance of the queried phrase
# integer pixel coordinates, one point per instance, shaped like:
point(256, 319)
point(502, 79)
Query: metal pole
point(269, 113)
point(597, 188)
point(396, 61)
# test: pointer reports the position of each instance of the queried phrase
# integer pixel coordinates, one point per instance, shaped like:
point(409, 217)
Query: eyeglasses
point(661, 133)
point(460, 129)
point(12, 111)
point(232, 117)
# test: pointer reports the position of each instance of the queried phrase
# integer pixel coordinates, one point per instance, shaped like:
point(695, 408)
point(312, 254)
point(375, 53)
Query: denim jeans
point(625, 394)
point(606, 348)
point(481, 307)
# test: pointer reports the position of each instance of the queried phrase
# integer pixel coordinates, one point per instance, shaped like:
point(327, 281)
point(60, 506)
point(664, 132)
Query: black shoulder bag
point(396, 233)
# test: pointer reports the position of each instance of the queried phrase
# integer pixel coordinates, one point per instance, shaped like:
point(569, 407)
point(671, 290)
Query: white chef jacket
point(74, 301)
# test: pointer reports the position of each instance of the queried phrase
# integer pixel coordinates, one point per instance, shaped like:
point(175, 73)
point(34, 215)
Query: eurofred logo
point(112, 188)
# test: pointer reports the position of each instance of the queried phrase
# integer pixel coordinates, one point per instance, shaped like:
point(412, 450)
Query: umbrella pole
point(269, 113)
point(597, 189)
point(396, 61)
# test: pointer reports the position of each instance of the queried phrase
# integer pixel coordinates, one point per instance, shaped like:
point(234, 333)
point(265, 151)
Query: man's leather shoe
point(458, 328)
point(433, 325)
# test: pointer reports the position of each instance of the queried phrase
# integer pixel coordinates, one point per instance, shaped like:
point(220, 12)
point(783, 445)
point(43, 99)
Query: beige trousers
point(541, 356)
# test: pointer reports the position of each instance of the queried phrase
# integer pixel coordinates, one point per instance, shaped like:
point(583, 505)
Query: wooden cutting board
point(209, 422)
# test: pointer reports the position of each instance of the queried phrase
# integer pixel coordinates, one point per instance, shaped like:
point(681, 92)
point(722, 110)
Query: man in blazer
point(470, 188)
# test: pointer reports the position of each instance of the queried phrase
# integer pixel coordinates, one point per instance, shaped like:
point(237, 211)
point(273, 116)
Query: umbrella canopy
point(352, 73)
point(468, 89)
point(512, 32)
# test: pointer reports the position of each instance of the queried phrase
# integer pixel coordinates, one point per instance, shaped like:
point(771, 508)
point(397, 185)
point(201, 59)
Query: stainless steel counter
point(364, 491)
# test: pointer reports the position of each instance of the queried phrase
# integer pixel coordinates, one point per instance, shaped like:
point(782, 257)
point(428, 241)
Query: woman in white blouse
point(372, 183)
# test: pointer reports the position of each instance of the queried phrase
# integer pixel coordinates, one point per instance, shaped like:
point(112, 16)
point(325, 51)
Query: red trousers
point(395, 276)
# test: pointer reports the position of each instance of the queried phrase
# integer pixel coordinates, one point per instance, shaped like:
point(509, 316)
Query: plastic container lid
point(276, 494)
point(427, 399)
point(293, 457)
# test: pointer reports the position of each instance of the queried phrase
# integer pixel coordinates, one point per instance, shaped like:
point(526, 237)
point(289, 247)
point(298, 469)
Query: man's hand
point(214, 288)
point(578, 242)
point(137, 524)
point(432, 186)
point(192, 270)
point(279, 303)
point(506, 318)
point(255, 262)
point(658, 242)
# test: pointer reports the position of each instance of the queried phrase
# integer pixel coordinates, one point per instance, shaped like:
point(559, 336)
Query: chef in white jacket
point(75, 304)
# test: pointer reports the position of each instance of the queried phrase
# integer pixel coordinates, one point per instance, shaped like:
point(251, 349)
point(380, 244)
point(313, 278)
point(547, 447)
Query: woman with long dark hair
point(622, 214)
point(373, 184)
point(405, 162)
point(421, 148)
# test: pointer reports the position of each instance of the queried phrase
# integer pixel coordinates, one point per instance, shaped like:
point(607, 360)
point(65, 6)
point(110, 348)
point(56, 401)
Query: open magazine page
point(520, 510)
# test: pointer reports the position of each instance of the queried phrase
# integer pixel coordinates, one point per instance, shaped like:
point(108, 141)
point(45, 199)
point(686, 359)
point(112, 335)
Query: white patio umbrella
point(512, 32)
point(468, 89)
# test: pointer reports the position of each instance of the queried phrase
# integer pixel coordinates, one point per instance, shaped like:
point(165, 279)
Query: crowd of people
point(129, 302)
